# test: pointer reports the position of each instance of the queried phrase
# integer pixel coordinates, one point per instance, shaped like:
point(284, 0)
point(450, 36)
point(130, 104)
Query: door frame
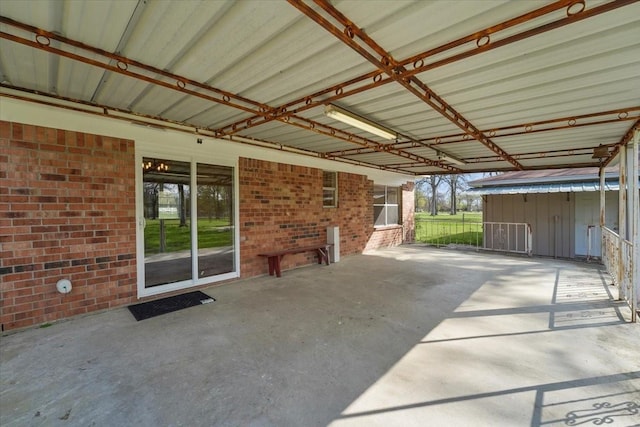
point(193, 157)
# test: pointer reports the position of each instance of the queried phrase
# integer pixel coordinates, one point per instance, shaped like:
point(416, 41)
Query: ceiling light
point(352, 119)
point(155, 166)
point(449, 159)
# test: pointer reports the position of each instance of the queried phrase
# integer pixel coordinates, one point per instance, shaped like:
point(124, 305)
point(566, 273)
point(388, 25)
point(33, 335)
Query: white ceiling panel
point(261, 55)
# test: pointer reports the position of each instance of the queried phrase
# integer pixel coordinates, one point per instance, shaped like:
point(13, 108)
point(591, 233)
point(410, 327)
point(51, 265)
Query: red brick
point(52, 219)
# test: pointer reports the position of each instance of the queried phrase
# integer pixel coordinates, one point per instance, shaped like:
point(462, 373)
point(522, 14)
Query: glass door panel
point(215, 220)
point(167, 230)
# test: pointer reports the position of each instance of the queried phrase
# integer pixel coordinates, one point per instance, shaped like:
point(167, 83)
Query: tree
point(471, 202)
point(452, 180)
point(423, 189)
point(421, 200)
point(215, 201)
point(455, 183)
point(151, 190)
point(182, 206)
point(429, 184)
point(432, 182)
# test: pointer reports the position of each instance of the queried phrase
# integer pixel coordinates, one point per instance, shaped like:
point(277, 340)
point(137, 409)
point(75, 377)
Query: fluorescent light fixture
point(352, 119)
point(449, 159)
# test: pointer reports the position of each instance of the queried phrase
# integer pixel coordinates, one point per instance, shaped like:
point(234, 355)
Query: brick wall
point(281, 207)
point(408, 212)
point(67, 210)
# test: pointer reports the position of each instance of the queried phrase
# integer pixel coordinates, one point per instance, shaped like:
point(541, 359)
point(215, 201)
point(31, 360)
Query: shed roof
point(561, 187)
point(466, 85)
point(546, 181)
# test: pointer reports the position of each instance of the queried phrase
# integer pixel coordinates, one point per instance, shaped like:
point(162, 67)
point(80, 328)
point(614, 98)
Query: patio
point(406, 336)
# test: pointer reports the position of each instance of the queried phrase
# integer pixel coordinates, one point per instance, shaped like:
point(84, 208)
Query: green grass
point(446, 217)
point(444, 229)
point(211, 234)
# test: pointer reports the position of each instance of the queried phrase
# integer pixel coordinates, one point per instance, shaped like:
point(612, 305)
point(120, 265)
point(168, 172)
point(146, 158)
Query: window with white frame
point(386, 207)
point(329, 189)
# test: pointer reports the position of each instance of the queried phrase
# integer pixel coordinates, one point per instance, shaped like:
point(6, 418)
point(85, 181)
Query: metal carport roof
point(499, 85)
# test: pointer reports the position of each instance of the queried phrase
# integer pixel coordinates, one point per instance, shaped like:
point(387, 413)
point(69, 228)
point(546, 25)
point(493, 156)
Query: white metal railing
point(617, 257)
point(508, 237)
point(610, 251)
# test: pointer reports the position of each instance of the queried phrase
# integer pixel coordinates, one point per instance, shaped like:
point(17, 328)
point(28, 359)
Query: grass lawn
point(465, 228)
point(447, 217)
point(211, 233)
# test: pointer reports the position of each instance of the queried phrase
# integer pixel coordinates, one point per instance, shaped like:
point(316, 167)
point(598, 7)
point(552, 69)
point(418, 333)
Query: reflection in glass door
point(215, 220)
point(167, 230)
point(170, 242)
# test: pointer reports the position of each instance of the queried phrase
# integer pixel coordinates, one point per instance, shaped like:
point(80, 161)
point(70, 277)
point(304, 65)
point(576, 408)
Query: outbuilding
point(561, 206)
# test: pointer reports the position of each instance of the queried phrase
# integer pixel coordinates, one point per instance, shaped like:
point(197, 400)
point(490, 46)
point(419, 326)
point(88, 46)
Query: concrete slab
point(408, 336)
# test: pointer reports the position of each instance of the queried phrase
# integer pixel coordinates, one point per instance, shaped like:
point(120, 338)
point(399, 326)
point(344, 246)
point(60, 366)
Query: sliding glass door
point(215, 220)
point(188, 230)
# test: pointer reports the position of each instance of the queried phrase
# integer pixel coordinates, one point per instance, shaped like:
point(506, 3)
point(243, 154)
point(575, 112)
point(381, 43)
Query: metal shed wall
point(564, 236)
point(588, 213)
point(552, 219)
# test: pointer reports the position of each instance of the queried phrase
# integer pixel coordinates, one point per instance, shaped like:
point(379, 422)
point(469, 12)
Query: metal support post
point(635, 224)
point(603, 222)
point(622, 216)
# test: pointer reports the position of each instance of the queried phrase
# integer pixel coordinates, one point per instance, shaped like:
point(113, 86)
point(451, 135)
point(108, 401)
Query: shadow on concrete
point(594, 409)
point(536, 321)
point(395, 337)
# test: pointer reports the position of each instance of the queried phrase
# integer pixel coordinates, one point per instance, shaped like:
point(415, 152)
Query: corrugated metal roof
point(546, 82)
point(561, 187)
point(546, 176)
point(547, 181)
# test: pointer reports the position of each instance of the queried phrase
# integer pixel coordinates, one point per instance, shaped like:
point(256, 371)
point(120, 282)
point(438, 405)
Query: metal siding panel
point(120, 91)
point(543, 229)
point(98, 24)
point(25, 67)
point(530, 218)
point(559, 220)
point(567, 225)
point(167, 30)
point(518, 208)
point(587, 212)
point(499, 204)
point(77, 81)
point(423, 22)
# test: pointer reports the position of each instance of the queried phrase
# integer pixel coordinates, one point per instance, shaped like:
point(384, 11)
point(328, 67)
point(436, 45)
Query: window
point(386, 209)
point(329, 189)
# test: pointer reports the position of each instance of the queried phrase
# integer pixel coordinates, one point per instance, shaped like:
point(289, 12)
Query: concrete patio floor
point(408, 336)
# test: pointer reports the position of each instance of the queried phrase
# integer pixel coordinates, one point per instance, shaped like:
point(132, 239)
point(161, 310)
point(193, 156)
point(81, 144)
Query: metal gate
point(508, 237)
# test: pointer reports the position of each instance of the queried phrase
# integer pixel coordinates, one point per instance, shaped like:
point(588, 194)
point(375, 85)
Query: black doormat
point(149, 309)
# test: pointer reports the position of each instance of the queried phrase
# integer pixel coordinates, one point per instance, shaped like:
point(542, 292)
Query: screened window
point(386, 210)
point(329, 189)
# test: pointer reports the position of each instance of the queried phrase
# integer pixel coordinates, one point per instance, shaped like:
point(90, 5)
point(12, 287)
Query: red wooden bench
point(275, 257)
